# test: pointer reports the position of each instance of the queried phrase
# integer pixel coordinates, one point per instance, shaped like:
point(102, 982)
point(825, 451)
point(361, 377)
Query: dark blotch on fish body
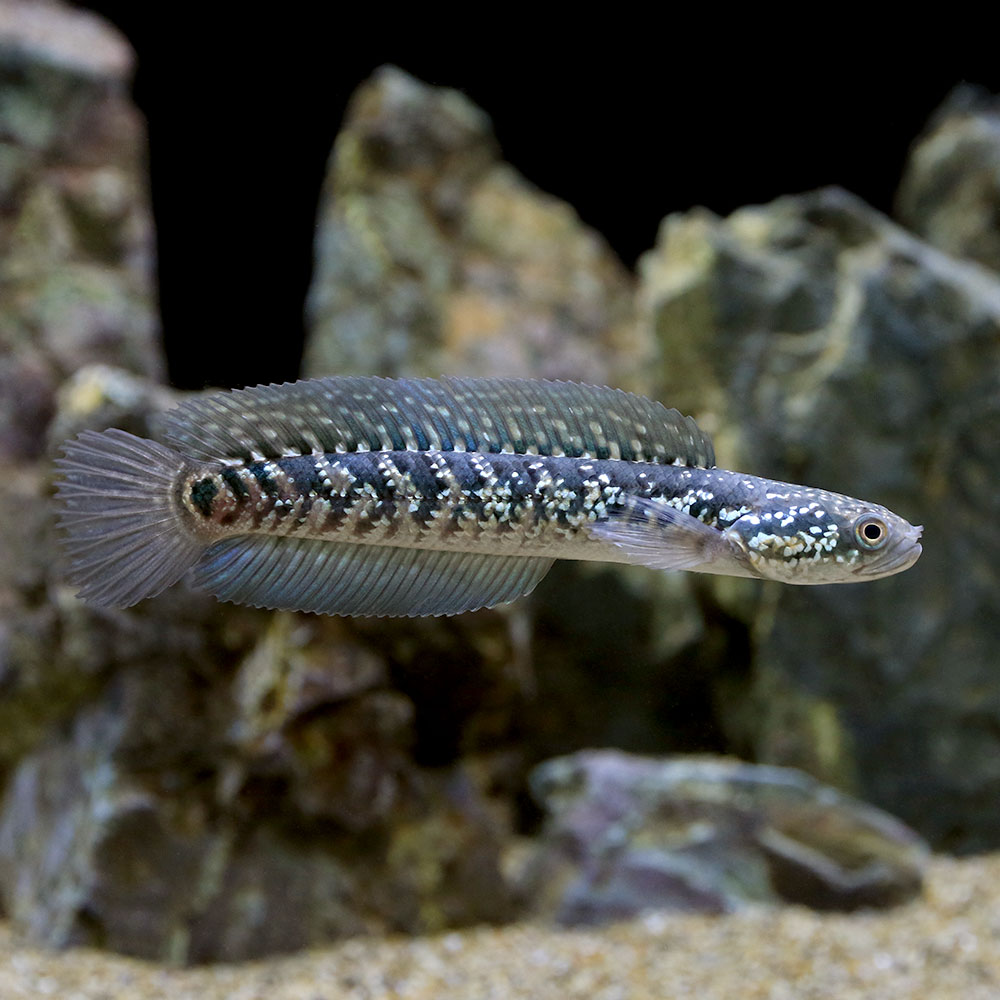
point(203, 493)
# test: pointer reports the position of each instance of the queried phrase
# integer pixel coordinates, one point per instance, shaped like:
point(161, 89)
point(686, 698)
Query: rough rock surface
point(625, 835)
point(199, 809)
point(435, 257)
point(76, 237)
point(76, 286)
point(825, 345)
point(950, 191)
point(191, 781)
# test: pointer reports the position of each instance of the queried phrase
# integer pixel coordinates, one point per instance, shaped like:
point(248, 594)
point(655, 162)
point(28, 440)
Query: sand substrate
point(947, 945)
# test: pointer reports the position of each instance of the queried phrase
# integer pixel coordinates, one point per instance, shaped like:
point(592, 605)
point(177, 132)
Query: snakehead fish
point(372, 496)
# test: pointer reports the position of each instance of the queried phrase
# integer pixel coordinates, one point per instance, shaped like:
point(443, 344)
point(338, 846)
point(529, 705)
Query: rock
point(100, 396)
point(90, 849)
point(622, 657)
point(154, 828)
point(56, 653)
point(824, 345)
point(950, 190)
point(434, 257)
point(187, 780)
point(626, 834)
point(41, 682)
point(301, 664)
point(342, 760)
point(95, 850)
point(76, 286)
point(76, 236)
point(64, 37)
point(87, 852)
point(192, 781)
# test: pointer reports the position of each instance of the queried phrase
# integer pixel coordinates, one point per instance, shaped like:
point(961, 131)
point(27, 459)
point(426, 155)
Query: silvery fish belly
point(371, 496)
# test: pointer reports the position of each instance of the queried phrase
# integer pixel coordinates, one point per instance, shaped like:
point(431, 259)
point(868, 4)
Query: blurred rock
point(55, 653)
point(88, 853)
point(187, 780)
point(76, 237)
point(194, 781)
point(824, 345)
point(154, 828)
point(301, 664)
point(623, 657)
point(434, 257)
point(626, 834)
point(100, 396)
point(315, 718)
point(950, 191)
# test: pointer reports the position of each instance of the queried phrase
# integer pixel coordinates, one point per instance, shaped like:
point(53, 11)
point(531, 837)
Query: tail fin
point(125, 536)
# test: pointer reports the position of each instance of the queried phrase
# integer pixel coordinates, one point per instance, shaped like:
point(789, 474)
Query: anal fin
point(340, 578)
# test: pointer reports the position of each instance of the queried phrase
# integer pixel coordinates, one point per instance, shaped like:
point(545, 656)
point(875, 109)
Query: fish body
point(381, 497)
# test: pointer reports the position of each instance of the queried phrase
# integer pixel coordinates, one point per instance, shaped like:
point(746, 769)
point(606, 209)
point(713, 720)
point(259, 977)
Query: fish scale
point(410, 491)
point(355, 495)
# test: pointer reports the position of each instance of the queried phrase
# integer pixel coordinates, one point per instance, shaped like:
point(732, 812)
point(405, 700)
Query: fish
point(369, 496)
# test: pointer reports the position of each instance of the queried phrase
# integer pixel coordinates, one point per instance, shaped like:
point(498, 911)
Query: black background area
point(625, 119)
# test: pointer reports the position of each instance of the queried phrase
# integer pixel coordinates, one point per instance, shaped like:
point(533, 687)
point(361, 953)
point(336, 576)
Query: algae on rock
point(435, 257)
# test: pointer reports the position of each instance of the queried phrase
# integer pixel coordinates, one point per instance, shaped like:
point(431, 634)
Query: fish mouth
point(901, 555)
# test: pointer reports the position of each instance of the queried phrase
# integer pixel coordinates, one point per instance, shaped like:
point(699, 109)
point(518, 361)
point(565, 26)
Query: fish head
point(814, 537)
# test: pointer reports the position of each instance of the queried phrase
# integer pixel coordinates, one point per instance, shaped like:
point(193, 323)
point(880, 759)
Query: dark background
point(243, 110)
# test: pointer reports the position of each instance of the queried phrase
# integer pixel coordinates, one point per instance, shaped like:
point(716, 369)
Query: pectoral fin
point(654, 534)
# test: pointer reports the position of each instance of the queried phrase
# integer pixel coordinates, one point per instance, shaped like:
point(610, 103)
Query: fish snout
point(903, 550)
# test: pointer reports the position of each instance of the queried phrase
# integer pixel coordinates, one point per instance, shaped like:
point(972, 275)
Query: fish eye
point(870, 531)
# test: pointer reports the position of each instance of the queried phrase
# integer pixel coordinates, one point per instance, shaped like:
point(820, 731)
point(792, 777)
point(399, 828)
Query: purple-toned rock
point(155, 824)
point(627, 834)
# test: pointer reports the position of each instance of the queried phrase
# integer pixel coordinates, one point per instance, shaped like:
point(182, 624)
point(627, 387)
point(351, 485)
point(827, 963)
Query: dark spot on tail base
point(202, 494)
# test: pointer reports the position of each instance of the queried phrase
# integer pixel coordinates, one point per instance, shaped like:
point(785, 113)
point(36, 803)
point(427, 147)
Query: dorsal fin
point(366, 413)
